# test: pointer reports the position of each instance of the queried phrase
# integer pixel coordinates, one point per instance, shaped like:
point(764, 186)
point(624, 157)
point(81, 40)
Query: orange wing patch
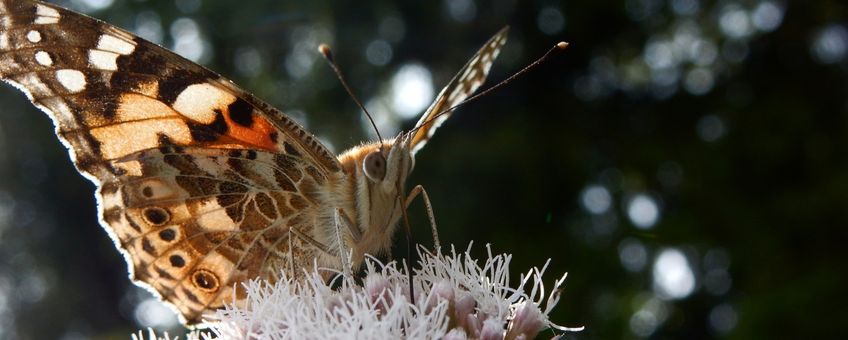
point(202, 114)
point(248, 128)
point(234, 120)
point(199, 182)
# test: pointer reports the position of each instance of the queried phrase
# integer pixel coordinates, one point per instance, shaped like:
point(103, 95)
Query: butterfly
point(201, 185)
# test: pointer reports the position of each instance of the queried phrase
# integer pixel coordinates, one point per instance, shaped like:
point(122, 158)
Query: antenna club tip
point(325, 50)
point(562, 45)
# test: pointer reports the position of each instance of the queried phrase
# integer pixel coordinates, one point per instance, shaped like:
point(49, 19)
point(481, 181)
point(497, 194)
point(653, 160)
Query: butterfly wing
point(199, 221)
point(463, 84)
point(198, 180)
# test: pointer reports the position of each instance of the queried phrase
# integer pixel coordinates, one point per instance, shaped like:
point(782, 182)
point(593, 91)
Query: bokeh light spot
point(153, 313)
point(92, 5)
point(723, 318)
point(188, 41)
point(148, 25)
point(643, 211)
point(461, 10)
point(596, 199)
point(716, 264)
point(643, 323)
point(703, 52)
point(735, 22)
point(305, 39)
point(651, 314)
point(378, 52)
point(830, 44)
point(387, 122)
point(767, 16)
point(665, 77)
point(699, 81)
point(673, 276)
point(685, 7)
point(550, 20)
point(658, 54)
point(412, 90)
point(710, 128)
point(633, 255)
point(248, 61)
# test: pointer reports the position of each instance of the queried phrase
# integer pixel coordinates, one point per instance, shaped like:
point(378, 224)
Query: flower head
point(455, 298)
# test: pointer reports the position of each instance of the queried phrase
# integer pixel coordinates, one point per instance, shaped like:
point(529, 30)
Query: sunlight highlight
point(412, 90)
point(673, 276)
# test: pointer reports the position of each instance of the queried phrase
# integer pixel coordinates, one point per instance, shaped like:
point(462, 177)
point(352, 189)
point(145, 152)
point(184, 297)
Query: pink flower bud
point(492, 330)
point(528, 321)
point(378, 289)
point(455, 334)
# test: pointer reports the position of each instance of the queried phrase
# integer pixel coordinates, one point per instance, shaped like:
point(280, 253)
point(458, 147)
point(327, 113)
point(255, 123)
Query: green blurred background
point(683, 160)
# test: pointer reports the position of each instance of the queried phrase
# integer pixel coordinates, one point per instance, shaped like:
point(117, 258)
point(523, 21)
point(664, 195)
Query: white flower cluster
point(455, 298)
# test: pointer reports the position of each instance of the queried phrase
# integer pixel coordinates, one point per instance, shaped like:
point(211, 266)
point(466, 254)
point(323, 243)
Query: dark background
point(683, 160)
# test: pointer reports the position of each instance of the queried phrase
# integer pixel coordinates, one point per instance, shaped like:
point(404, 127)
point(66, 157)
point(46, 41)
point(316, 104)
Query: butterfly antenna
point(559, 47)
point(328, 55)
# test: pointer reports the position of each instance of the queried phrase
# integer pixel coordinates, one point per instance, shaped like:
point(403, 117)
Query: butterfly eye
point(374, 166)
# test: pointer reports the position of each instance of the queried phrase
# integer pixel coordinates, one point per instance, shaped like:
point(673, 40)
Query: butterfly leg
point(312, 241)
point(340, 219)
point(293, 272)
point(419, 190)
point(354, 230)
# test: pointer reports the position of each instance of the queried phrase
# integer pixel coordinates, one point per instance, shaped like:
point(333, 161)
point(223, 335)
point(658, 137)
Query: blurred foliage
point(730, 126)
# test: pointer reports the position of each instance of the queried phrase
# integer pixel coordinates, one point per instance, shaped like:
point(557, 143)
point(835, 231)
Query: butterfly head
point(380, 169)
point(389, 162)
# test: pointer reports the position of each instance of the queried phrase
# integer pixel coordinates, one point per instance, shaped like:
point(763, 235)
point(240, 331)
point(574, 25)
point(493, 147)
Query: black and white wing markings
point(201, 221)
point(102, 85)
point(463, 85)
point(200, 183)
point(179, 153)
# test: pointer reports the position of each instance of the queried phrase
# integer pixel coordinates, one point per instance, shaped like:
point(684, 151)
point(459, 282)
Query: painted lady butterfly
point(200, 184)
